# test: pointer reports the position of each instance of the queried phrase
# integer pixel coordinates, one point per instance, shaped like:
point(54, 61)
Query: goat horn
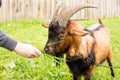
point(56, 14)
point(66, 14)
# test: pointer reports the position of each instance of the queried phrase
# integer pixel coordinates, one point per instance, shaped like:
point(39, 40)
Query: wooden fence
point(44, 9)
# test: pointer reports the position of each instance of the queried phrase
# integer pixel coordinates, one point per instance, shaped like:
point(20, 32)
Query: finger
point(38, 52)
point(32, 55)
point(35, 54)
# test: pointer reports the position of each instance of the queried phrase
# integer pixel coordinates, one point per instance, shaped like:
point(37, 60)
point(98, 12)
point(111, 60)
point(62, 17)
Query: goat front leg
point(76, 77)
point(88, 77)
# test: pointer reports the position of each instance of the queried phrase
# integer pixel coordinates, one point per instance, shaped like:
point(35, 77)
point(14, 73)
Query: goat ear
point(79, 32)
point(46, 25)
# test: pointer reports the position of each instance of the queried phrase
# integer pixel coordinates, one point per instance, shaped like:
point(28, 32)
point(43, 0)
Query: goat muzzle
point(50, 47)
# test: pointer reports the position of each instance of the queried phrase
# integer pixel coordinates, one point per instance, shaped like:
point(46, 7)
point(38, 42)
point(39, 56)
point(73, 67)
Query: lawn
point(15, 67)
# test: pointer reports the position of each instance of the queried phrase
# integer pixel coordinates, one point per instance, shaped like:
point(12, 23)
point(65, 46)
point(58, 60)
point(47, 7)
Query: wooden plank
point(52, 8)
point(42, 8)
point(11, 10)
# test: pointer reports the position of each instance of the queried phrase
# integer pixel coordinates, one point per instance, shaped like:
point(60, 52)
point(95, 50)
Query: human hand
point(27, 50)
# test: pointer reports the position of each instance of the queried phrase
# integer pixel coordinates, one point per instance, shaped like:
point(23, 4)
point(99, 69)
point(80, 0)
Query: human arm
point(25, 50)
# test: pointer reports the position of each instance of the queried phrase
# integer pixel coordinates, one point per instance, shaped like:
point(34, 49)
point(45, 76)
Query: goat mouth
point(50, 52)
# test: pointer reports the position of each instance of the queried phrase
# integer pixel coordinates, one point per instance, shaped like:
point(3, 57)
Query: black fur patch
point(80, 66)
point(54, 25)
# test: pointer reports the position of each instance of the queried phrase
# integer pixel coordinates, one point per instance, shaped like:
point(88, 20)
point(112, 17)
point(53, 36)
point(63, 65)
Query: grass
point(15, 67)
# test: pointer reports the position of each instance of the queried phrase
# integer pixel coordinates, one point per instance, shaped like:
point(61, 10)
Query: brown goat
point(85, 49)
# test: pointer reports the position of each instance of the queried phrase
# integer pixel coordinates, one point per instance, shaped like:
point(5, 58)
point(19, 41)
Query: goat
point(84, 48)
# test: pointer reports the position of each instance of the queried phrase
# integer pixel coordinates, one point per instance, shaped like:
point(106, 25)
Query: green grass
point(43, 67)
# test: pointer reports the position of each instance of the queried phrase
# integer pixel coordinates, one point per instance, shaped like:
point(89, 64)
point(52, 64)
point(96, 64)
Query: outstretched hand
point(27, 50)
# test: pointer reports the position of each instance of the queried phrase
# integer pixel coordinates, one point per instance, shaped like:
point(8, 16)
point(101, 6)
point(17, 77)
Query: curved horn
point(66, 14)
point(55, 16)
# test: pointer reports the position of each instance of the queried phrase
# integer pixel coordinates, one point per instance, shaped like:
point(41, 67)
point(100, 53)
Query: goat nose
point(46, 49)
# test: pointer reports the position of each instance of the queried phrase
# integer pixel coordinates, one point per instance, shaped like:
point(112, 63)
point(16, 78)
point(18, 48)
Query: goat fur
point(79, 42)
